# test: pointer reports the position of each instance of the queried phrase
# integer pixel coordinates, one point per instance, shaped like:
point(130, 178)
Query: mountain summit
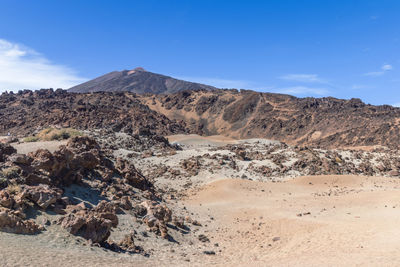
point(137, 81)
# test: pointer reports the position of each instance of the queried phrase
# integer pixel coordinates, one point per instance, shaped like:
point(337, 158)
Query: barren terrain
point(328, 122)
point(285, 218)
point(307, 221)
point(345, 220)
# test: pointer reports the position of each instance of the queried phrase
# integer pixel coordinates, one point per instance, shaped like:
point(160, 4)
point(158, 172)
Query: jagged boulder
point(6, 150)
point(132, 175)
point(14, 222)
point(128, 243)
point(157, 215)
point(191, 165)
point(82, 143)
point(20, 159)
point(94, 225)
point(42, 195)
point(13, 198)
point(67, 164)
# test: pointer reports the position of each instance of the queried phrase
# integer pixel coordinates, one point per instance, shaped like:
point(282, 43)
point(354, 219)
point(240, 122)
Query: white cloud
point(303, 90)
point(385, 68)
point(309, 78)
point(359, 86)
point(374, 73)
point(219, 83)
point(24, 68)
point(241, 84)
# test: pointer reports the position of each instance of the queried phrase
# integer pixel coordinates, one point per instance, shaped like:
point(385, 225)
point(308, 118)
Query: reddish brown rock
point(157, 215)
point(6, 150)
point(132, 175)
point(91, 225)
point(12, 222)
point(42, 195)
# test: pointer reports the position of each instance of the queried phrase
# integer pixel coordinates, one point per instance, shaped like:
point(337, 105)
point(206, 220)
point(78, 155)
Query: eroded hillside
point(325, 122)
point(27, 111)
point(319, 122)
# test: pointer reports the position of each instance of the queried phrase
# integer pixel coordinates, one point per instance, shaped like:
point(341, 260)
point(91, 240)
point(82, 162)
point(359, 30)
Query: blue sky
point(305, 48)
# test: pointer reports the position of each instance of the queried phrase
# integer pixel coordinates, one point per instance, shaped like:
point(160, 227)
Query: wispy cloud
point(220, 83)
point(397, 105)
point(385, 68)
point(374, 73)
point(359, 86)
point(23, 68)
point(307, 78)
point(242, 84)
point(303, 90)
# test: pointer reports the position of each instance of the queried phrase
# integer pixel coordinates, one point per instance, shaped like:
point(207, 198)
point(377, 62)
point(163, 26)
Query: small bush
point(9, 173)
point(51, 134)
point(30, 139)
point(14, 188)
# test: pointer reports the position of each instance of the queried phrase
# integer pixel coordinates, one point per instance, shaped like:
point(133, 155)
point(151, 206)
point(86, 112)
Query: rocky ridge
point(316, 122)
point(319, 122)
point(85, 191)
point(27, 112)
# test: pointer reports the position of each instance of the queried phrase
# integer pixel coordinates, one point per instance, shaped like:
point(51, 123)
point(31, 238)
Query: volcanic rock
point(11, 221)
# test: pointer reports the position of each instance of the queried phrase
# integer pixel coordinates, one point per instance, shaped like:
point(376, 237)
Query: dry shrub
point(51, 134)
point(30, 139)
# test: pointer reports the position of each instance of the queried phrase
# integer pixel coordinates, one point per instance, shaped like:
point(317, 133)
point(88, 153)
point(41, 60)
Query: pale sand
point(354, 221)
point(357, 224)
point(24, 148)
point(197, 140)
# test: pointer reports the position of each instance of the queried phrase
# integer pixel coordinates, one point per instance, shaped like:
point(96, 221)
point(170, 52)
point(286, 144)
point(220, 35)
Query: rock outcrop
point(92, 224)
point(26, 112)
point(325, 122)
point(318, 122)
point(40, 180)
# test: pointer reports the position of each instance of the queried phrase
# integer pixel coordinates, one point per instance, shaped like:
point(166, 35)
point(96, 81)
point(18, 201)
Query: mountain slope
point(319, 122)
point(137, 81)
point(28, 111)
point(324, 122)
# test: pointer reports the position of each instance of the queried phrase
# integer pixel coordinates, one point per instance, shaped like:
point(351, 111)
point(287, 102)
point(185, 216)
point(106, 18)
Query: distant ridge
point(315, 122)
point(137, 81)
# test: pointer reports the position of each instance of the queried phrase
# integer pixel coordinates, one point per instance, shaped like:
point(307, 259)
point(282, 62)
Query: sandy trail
point(24, 148)
point(353, 221)
point(198, 141)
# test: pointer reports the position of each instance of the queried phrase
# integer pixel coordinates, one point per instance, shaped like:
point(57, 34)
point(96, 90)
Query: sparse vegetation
point(51, 134)
point(14, 188)
point(30, 139)
point(11, 172)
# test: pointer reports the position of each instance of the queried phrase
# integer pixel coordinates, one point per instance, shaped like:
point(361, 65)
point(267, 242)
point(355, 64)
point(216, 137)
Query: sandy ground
point(305, 221)
point(198, 141)
point(345, 221)
point(24, 148)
